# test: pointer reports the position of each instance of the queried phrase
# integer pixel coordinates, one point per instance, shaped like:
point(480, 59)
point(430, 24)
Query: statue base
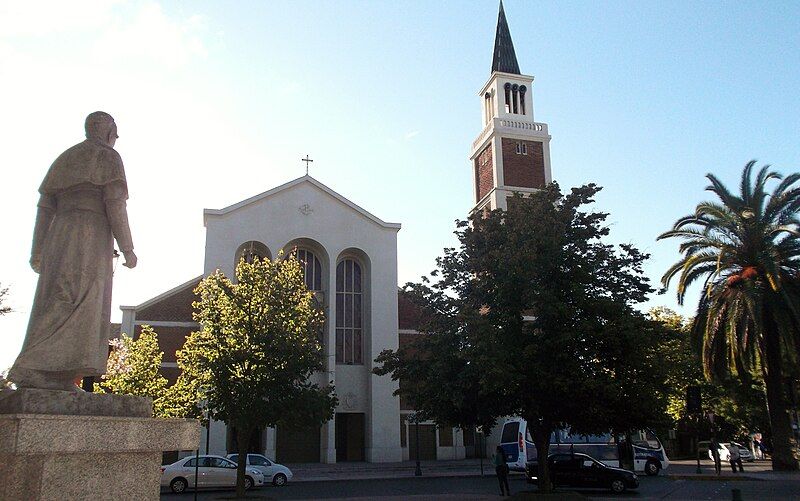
point(77, 403)
point(49, 456)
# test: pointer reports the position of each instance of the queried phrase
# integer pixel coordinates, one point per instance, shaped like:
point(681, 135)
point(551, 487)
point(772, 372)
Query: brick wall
point(484, 172)
point(170, 339)
point(524, 171)
point(176, 308)
point(408, 313)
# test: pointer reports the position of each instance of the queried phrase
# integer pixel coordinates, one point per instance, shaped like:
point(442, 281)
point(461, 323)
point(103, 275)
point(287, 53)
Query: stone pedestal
point(94, 457)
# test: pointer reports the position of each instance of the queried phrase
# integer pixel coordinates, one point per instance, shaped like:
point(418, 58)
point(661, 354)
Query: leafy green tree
point(746, 249)
point(535, 314)
point(739, 406)
point(257, 349)
point(133, 369)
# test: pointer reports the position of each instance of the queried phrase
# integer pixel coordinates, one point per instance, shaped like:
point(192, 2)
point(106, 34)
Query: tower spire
point(505, 59)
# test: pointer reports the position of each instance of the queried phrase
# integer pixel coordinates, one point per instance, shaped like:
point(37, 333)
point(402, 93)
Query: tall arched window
point(312, 269)
point(251, 250)
point(349, 313)
point(522, 90)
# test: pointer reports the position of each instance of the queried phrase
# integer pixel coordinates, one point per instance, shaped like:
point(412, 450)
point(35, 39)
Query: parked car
point(725, 453)
point(272, 471)
point(213, 471)
point(582, 470)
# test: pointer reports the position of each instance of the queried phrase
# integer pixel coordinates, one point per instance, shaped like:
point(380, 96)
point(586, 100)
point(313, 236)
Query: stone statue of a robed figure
point(81, 211)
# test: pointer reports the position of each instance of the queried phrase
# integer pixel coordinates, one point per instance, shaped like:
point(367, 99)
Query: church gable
point(301, 188)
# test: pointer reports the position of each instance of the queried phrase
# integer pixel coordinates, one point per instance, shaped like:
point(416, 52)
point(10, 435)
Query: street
point(484, 488)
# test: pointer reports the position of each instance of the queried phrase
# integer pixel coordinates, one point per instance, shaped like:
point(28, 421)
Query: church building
point(350, 262)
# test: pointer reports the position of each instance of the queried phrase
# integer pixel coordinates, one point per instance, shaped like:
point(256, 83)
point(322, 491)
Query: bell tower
point(512, 152)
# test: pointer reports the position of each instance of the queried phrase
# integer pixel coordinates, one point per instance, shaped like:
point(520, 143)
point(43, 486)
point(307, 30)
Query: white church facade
point(350, 262)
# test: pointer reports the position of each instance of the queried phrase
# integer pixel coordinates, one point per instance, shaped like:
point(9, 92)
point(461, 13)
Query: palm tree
point(746, 249)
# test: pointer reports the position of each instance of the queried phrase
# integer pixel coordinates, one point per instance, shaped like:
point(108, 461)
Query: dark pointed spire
point(504, 59)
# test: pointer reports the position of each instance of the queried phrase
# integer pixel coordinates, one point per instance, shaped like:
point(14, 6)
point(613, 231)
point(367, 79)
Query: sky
point(218, 101)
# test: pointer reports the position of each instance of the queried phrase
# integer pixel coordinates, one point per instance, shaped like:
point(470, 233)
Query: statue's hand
point(36, 263)
point(130, 259)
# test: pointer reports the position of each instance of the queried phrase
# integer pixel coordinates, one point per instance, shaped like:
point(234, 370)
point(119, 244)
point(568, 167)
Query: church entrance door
point(350, 428)
point(297, 445)
point(427, 441)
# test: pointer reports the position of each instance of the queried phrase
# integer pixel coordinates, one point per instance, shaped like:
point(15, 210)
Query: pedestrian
point(501, 468)
point(714, 448)
point(735, 458)
point(757, 452)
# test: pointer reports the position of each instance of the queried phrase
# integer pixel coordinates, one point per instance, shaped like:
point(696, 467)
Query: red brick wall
point(408, 313)
point(524, 171)
point(484, 172)
point(170, 339)
point(175, 308)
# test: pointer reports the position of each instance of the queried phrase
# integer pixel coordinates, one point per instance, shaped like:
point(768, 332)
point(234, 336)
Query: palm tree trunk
point(783, 443)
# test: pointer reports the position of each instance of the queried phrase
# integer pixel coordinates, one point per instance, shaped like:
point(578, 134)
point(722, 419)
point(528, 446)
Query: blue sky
point(218, 101)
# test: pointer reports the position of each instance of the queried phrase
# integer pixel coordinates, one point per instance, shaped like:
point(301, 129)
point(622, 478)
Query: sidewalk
point(686, 469)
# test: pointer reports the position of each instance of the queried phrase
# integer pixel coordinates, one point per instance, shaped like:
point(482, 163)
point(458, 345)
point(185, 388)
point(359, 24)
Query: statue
point(81, 210)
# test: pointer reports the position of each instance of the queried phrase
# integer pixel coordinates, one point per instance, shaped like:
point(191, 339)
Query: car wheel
point(248, 483)
point(617, 486)
point(279, 480)
point(178, 485)
point(652, 468)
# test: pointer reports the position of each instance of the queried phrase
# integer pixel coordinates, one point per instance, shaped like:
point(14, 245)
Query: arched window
point(514, 97)
point(522, 90)
point(312, 269)
point(507, 88)
point(251, 250)
point(349, 313)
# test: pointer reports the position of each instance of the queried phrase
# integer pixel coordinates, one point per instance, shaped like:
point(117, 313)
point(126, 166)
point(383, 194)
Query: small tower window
point(487, 107)
point(507, 88)
point(522, 148)
point(522, 90)
point(514, 97)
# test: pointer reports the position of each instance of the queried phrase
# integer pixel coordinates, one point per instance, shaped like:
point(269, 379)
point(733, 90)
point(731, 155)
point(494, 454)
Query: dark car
point(581, 470)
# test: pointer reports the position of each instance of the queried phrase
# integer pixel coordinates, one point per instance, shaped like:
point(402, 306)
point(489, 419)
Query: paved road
point(479, 489)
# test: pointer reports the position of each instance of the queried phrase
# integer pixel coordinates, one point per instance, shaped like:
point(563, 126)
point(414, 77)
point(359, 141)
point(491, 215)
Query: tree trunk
point(780, 421)
point(541, 437)
point(243, 440)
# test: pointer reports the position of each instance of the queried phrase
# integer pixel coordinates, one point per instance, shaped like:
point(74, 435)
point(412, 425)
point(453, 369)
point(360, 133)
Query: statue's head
point(100, 126)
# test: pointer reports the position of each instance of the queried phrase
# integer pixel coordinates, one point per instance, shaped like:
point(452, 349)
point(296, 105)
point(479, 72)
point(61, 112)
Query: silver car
point(273, 472)
point(212, 471)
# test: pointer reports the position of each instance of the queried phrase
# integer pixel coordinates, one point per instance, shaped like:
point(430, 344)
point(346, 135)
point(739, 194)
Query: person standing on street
point(501, 468)
point(735, 458)
point(714, 447)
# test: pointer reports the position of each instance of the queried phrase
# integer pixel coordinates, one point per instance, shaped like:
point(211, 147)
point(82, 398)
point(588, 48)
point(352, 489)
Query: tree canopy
point(252, 361)
point(533, 316)
point(133, 369)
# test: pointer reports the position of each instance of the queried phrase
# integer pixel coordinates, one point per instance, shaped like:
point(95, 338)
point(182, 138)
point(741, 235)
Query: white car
point(272, 471)
point(212, 471)
point(725, 453)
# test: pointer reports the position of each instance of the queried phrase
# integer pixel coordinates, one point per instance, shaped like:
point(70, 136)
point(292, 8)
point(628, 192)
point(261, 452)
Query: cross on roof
point(306, 160)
